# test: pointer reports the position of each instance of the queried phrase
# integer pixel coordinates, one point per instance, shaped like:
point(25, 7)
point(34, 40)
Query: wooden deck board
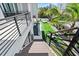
point(37, 48)
point(40, 48)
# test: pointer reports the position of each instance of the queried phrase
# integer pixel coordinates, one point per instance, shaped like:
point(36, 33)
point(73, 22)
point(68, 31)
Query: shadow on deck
point(24, 52)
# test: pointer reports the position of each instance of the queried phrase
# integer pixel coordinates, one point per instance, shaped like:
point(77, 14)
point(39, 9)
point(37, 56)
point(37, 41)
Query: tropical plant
point(41, 12)
point(69, 14)
point(52, 12)
point(59, 18)
point(73, 10)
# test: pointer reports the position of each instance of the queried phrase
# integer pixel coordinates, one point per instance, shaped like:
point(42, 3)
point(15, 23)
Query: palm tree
point(52, 13)
point(73, 10)
point(41, 12)
point(59, 17)
point(70, 14)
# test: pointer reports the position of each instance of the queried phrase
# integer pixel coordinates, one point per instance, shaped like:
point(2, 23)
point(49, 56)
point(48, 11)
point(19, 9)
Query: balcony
point(17, 38)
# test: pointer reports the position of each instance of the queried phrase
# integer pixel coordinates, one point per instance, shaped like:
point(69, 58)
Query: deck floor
point(38, 48)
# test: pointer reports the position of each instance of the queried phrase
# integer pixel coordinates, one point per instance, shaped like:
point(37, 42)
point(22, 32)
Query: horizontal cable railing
point(10, 29)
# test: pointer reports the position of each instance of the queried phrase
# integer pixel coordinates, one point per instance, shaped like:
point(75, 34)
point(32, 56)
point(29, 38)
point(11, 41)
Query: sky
point(43, 5)
point(48, 4)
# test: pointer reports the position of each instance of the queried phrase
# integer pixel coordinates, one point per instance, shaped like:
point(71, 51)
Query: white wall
point(22, 7)
point(25, 7)
point(33, 8)
point(1, 14)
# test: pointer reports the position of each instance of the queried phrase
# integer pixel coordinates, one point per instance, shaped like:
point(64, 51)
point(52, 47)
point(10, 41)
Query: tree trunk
point(73, 24)
point(49, 17)
point(71, 31)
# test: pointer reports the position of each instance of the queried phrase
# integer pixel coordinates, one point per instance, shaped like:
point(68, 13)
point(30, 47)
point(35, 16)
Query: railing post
point(50, 39)
point(43, 36)
point(17, 26)
point(32, 37)
point(29, 36)
point(29, 16)
point(26, 18)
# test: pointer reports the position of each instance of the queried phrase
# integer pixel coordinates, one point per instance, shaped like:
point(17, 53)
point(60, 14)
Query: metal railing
point(73, 48)
point(66, 47)
point(11, 28)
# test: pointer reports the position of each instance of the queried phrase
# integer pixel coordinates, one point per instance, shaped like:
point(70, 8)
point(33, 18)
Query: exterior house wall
point(18, 45)
point(33, 7)
point(22, 7)
point(1, 14)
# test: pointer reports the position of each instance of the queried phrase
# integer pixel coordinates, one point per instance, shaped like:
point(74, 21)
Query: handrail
point(65, 30)
point(75, 40)
point(14, 16)
point(73, 43)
